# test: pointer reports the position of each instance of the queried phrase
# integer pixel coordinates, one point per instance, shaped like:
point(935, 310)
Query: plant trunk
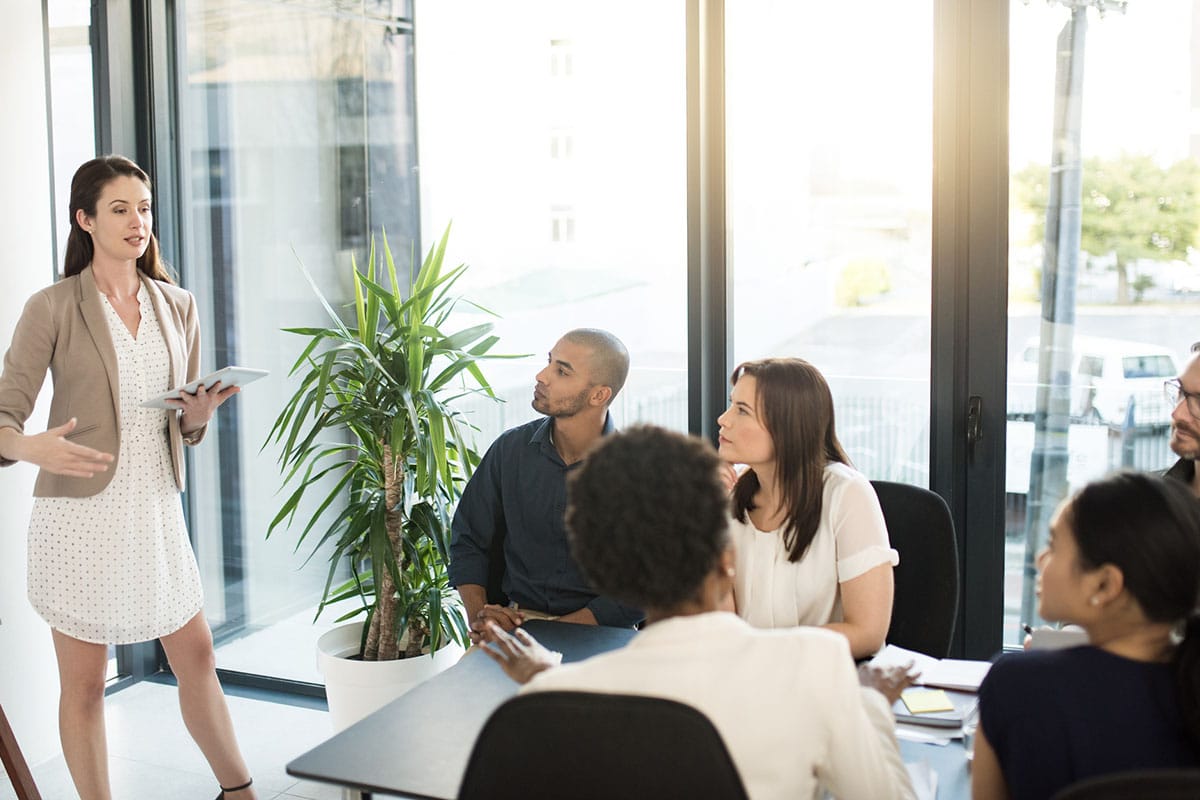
point(385, 616)
point(382, 644)
point(1122, 283)
point(416, 640)
point(370, 651)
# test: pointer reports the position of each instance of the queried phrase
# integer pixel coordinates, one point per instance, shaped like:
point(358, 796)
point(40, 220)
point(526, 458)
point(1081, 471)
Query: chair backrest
point(590, 746)
point(1150, 784)
point(926, 600)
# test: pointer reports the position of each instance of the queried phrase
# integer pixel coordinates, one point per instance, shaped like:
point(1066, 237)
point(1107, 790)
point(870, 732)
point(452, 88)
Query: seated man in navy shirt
point(519, 493)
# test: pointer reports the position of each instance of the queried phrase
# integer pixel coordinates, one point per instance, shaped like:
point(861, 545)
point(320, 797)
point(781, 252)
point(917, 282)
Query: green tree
point(1132, 209)
point(860, 279)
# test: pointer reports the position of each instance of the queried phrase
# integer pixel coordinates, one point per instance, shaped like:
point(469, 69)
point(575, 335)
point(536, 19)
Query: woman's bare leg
point(205, 713)
point(81, 669)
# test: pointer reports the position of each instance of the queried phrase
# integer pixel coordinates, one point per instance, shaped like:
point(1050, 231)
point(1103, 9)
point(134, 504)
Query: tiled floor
point(286, 649)
point(151, 754)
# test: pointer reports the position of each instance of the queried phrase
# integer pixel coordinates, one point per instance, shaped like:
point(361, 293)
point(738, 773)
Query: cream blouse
point(851, 539)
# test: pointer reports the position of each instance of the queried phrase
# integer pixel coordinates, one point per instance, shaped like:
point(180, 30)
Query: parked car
point(1107, 375)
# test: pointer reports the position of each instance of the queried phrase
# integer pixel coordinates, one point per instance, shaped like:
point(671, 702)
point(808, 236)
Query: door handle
point(974, 419)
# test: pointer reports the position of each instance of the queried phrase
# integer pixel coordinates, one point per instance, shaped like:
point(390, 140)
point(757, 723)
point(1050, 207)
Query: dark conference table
point(417, 746)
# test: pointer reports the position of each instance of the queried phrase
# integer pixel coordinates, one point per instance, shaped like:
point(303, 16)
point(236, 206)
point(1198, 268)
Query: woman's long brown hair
point(796, 407)
point(86, 188)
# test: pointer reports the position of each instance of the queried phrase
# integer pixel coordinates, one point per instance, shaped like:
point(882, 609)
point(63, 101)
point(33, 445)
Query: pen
point(1026, 627)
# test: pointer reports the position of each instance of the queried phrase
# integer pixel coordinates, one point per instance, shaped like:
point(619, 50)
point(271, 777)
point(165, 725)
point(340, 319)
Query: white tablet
point(229, 376)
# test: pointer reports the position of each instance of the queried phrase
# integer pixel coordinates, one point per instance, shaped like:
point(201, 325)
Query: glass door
point(1104, 265)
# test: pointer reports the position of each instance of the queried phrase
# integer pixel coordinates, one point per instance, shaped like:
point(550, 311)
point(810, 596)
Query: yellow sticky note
point(926, 701)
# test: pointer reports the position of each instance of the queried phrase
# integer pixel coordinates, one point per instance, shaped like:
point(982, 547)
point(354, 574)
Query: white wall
point(28, 676)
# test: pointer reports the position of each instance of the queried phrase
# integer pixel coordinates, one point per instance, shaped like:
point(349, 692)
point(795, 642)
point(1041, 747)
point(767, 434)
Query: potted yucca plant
point(372, 434)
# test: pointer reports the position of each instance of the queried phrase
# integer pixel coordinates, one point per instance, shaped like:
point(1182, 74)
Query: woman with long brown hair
point(812, 546)
point(109, 557)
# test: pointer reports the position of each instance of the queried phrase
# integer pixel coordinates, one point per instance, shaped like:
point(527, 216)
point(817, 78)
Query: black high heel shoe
point(245, 785)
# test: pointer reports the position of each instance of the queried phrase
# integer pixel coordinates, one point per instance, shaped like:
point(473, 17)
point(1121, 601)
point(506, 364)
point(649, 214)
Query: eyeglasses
point(1175, 393)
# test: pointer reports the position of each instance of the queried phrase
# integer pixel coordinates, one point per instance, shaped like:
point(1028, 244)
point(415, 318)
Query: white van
point(1106, 375)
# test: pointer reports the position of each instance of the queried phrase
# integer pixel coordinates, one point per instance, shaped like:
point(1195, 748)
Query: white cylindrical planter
point(356, 688)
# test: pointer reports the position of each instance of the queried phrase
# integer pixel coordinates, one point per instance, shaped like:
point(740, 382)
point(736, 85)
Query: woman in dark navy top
point(1123, 562)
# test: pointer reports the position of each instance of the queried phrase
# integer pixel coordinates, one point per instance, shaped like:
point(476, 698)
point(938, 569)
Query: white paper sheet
point(946, 673)
point(924, 779)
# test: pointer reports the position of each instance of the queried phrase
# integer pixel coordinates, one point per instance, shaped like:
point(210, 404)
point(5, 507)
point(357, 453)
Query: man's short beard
point(1188, 448)
point(568, 408)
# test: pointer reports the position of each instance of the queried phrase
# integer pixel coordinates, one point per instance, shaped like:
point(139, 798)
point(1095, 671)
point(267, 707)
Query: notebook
point(963, 704)
point(945, 673)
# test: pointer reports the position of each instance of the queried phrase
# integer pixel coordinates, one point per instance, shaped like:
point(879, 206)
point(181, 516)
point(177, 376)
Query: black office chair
point(926, 600)
point(598, 747)
point(1149, 784)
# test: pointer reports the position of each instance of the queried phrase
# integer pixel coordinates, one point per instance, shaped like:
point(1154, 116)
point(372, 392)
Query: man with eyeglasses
point(1183, 393)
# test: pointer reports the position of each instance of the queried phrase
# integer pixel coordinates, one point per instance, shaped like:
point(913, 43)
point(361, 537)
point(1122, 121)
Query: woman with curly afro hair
point(647, 521)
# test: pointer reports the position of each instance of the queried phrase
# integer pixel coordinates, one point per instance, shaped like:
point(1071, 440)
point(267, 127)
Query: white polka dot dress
point(117, 567)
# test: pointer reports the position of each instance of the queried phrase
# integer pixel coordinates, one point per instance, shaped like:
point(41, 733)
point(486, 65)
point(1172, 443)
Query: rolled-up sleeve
point(859, 529)
point(609, 612)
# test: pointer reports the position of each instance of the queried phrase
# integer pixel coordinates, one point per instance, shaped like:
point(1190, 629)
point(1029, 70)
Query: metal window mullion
point(710, 299)
point(970, 310)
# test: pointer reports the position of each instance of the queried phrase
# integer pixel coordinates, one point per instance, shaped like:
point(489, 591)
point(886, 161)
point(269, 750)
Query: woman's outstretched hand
point(54, 452)
point(517, 653)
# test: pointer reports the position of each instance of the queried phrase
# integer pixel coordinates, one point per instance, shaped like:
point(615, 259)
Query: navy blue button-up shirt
point(519, 491)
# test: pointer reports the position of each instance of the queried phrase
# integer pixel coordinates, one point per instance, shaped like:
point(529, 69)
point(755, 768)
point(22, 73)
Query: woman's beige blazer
point(63, 328)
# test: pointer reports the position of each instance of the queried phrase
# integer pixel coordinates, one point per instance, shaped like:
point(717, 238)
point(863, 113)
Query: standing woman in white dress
point(109, 557)
point(812, 547)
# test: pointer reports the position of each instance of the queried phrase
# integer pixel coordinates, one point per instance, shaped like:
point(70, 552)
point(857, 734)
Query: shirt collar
point(545, 431)
point(1184, 469)
point(543, 436)
point(719, 625)
point(542, 432)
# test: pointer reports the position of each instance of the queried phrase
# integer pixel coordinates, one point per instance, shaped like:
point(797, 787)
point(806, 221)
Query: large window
point(1104, 261)
point(552, 135)
point(296, 143)
point(846, 165)
point(830, 205)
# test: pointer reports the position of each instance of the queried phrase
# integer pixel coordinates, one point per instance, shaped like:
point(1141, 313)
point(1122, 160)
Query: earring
point(1095, 600)
point(729, 572)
